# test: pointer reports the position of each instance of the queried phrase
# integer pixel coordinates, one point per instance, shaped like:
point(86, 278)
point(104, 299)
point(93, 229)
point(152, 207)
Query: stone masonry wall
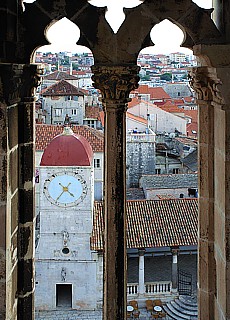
point(141, 160)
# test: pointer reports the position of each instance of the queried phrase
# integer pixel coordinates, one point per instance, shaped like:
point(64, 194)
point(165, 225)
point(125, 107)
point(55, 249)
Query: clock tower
point(66, 268)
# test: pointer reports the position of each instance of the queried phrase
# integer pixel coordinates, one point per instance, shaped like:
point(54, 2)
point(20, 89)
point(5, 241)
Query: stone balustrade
point(151, 288)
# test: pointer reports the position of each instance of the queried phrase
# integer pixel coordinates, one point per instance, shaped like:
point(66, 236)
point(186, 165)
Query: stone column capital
point(18, 82)
point(141, 252)
point(205, 82)
point(115, 83)
point(31, 78)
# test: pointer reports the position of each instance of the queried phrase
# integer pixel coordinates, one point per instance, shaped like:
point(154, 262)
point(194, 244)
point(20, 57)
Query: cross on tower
point(115, 14)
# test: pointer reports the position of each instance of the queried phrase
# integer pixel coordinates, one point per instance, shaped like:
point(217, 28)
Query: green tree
point(166, 76)
point(145, 78)
point(75, 66)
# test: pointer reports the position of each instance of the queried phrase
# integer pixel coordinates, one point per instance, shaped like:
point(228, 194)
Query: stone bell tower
point(65, 265)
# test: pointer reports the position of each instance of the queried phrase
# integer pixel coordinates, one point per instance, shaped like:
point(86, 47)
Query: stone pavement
point(68, 315)
point(80, 315)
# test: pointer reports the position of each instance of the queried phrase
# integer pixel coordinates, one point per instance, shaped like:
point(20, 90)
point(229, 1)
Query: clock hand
point(72, 195)
point(60, 195)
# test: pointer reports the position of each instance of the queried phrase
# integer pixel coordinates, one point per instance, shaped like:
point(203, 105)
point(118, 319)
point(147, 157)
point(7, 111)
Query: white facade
point(57, 109)
point(98, 160)
point(177, 57)
point(159, 120)
point(63, 252)
point(135, 125)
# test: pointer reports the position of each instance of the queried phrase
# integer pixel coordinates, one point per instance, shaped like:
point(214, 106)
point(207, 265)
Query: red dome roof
point(67, 149)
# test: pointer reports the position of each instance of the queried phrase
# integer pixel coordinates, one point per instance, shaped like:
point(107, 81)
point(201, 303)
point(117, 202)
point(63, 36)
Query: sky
point(64, 34)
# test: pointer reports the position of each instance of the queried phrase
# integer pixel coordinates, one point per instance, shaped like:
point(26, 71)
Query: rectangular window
point(74, 112)
point(175, 170)
point(58, 112)
point(64, 294)
point(157, 171)
point(90, 123)
point(36, 176)
point(97, 163)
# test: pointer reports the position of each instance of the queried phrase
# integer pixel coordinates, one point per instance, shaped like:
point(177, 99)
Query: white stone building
point(67, 272)
point(158, 119)
point(62, 102)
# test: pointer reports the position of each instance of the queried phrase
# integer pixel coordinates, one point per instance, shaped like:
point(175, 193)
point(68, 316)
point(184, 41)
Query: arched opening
point(115, 9)
point(62, 36)
point(167, 103)
point(66, 101)
point(219, 137)
point(166, 37)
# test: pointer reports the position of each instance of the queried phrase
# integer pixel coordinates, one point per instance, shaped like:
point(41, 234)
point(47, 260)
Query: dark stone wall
point(17, 190)
point(140, 160)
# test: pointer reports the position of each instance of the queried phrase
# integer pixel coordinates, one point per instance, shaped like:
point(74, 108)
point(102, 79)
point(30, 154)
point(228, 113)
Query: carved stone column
point(205, 82)
point(115, 83)
point(174, 270)
point(26, 215)
point(17, 195)
point(141, 284)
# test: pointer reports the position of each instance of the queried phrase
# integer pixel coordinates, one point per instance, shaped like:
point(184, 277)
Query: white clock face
point(65, 189)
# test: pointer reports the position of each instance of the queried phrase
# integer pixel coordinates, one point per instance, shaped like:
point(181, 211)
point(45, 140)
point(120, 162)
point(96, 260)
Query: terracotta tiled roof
point(102, 118)
point(134, 102)
point(192, 128)
point(188, 141)
point(59, 75)
point(143, 89)
point(153, 223)
point(80, 73)
point(92, 112)
point(63, 88)
point(128, 115)
point(136, 118)
point(172, 109)
point(155, 93)
point(193, 114)
point(158, 93)
point(178, 101)
point(189, 99)
point(46, 132)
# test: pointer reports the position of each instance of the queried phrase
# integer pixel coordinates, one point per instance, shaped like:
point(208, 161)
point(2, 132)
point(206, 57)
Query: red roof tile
point(133, 117)
point(153, 223)
point(92, 112)
point(46, 132)
point(155, 93)
point(158, 93)
point(63, 88)
point(193, 114)
point(128, 115)
point(59, 75)
point(172, 109)
point(134, 102)
point(192, 129)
